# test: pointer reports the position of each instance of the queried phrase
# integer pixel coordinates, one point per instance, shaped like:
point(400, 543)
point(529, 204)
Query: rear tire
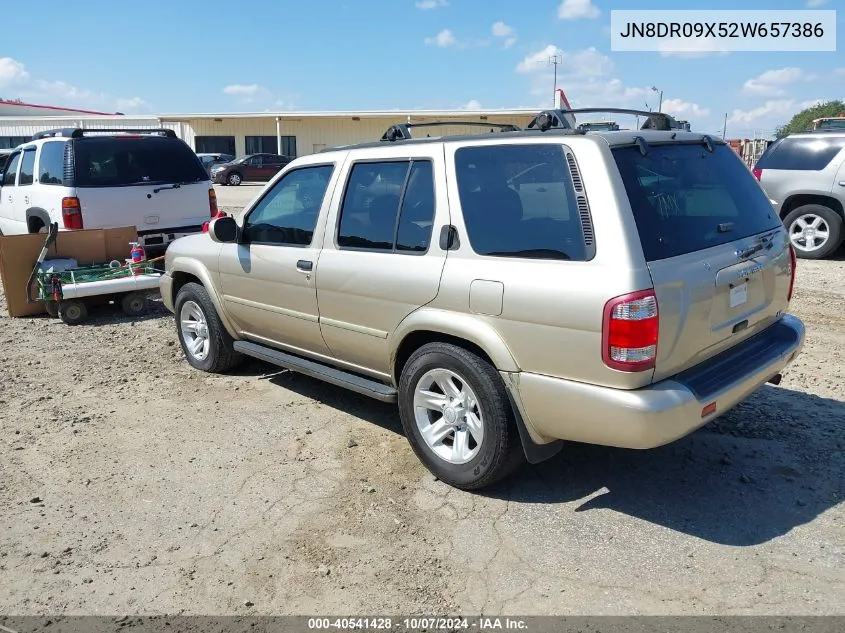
point(815, 231)
point(234, 179)
point(457, 417)
point(73, 311)
point(204, 340)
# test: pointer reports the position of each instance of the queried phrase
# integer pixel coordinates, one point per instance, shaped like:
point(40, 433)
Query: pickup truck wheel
point(457, 416)
point(234, 178)
point(204, 340)
point(814, 230)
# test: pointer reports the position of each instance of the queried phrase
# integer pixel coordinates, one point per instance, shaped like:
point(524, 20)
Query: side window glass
point(27, 168)
point(417, 216)
point(11, 171)
point(288, 213)
point(371, 205)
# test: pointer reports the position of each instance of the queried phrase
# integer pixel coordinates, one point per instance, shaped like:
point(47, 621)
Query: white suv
point(106, 178)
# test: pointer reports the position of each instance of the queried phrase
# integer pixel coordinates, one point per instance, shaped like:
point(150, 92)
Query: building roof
point(21, 104)
point(363, 114)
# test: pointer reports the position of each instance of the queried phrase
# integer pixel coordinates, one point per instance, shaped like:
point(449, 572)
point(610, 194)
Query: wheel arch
point(430, 326)
point(185, 271)
point(800, 199)
point(39, 214)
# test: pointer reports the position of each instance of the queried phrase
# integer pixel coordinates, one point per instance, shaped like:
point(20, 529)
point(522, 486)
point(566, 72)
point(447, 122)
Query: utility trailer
point(67, 289)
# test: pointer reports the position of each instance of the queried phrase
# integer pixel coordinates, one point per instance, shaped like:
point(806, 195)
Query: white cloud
point(772, 83)
point(586, 77)
point(505, 32)
point(427, 5)
point(242, 89)
point(134, 104)
point(815, 4)
point(576, 9)
point(777, 108)
point(472, 104)
point(12, 72)
point(444, 39)
point(681, 109)
point(584, 63)
point(17, 83)
point(500, 29)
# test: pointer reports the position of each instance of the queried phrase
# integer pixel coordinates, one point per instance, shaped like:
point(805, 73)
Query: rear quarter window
point(801, 154)
point(117, 162)
point(519, 201)
point(686, 199)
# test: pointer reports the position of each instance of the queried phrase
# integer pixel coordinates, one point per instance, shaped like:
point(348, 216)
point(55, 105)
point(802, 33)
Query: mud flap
point(534, 453)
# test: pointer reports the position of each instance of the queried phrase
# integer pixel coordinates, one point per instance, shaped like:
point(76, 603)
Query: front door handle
point(304, 265)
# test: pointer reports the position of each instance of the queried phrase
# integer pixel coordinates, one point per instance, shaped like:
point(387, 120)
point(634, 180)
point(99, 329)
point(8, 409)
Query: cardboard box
point(18, 254)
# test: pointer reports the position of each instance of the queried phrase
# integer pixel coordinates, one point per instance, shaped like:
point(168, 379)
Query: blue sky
point(215, 56)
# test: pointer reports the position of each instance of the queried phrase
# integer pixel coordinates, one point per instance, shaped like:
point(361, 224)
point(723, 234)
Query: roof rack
point(402, 131)
point(75, 132)
point(555, 119)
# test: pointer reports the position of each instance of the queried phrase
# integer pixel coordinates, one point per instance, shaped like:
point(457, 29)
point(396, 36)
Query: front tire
point(234, 179)
point(457, 417)
point(814, 230)
point(204, 340)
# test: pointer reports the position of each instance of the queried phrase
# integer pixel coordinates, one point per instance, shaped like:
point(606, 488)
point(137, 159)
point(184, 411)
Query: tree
point(803, 121)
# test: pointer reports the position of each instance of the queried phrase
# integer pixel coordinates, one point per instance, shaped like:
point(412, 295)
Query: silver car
point(507, 290)
point(804, 176)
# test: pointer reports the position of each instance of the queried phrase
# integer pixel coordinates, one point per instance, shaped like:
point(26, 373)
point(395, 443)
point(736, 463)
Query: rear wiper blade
point(532, 252)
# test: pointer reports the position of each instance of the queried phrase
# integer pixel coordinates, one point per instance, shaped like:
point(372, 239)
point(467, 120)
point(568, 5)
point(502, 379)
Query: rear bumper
point(553, 408)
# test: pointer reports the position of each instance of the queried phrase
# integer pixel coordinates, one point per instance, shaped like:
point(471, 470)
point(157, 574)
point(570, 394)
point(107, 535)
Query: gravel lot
point(134, 484)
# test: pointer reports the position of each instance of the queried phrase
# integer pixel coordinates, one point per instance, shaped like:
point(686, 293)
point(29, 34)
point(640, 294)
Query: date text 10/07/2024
point(431, 624)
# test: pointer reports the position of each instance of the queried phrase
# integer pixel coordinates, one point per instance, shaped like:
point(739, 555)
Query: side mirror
point(223, 230)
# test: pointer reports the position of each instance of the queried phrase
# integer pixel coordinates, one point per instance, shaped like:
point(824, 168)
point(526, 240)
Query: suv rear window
point(686, 199)
point(519, 201)
point(801, 153)
point(112, 161)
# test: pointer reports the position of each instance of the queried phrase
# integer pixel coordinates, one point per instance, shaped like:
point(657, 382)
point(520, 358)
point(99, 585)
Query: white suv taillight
point(629, 332)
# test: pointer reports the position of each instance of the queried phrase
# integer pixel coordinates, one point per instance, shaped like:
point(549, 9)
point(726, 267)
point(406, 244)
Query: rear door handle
point(304, 265)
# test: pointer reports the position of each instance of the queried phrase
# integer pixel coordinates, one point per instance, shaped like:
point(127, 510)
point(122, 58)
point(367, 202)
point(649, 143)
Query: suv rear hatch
point(718, 254)
point(155, 183)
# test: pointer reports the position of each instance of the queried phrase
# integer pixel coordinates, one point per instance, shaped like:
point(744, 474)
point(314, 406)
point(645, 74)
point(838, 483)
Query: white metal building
point(290, 133)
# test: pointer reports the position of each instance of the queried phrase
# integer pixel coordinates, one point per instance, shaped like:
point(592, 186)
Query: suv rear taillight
point(793, 264)
point(758, 173)
point(212, 203)
point(71, 213)
point(629, 332)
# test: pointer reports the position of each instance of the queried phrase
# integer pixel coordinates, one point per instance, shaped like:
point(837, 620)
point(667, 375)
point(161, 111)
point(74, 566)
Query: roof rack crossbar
point(402, 131)
point(549, 119)
point(75, 132)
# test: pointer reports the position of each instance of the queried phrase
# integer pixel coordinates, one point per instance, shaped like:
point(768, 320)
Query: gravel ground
point(134, 484)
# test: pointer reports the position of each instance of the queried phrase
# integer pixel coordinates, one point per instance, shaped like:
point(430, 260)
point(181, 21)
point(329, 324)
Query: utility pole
point(554, 60)
point(725, 127)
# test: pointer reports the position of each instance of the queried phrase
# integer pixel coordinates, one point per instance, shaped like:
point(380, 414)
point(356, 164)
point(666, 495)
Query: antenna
point(555, 60)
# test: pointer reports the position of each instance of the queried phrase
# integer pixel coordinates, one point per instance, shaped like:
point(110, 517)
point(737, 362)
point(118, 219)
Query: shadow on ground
point(748, 479)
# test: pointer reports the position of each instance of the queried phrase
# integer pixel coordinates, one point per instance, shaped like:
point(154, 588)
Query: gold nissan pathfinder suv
point(509, 290)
